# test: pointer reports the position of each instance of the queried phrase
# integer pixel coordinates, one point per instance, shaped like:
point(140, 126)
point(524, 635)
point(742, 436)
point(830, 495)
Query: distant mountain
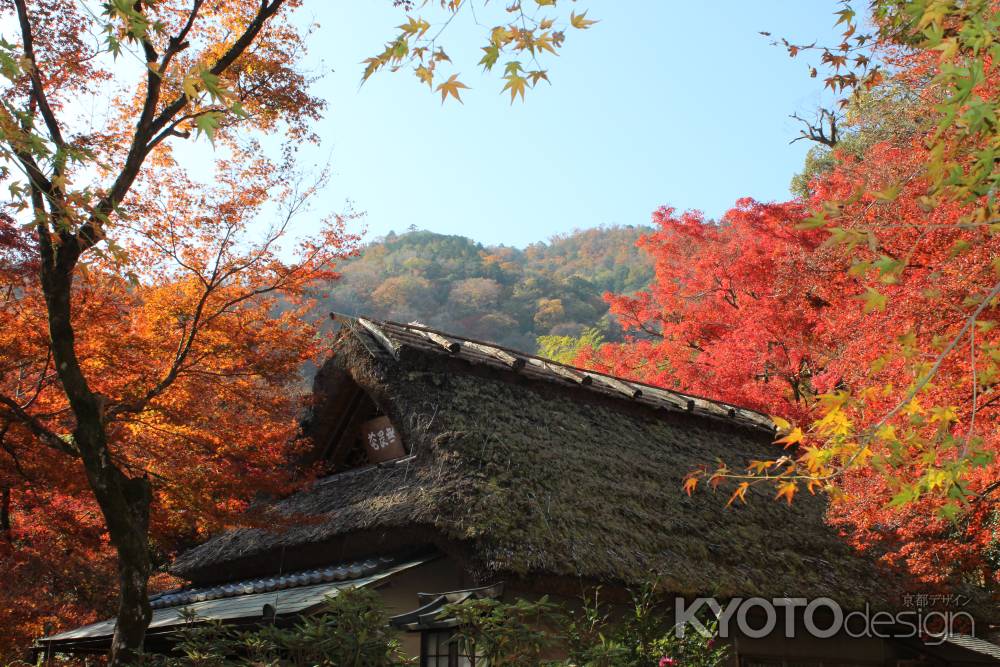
point(496, 293)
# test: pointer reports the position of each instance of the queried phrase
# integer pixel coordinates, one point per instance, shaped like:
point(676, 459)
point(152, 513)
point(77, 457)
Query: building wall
point(399, 593)
point(444, 574)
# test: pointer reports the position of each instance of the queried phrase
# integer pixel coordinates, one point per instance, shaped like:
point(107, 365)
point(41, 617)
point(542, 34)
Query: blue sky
point(662, 102)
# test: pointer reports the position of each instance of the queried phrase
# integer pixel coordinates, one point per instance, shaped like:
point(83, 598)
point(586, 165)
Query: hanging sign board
point(382, 441)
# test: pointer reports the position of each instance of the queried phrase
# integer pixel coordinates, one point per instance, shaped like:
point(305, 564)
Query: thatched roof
point(522, 469)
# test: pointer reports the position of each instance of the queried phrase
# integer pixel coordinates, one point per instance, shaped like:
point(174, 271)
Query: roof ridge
point(515, 360)
point(530, 355)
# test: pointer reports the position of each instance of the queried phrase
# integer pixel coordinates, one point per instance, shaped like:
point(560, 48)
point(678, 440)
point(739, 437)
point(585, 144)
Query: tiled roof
point(430, 613)
point(298, 592)
point(337, 572)
point(975, 645)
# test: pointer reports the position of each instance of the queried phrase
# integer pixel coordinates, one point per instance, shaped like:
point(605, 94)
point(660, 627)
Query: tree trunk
point(5, 525)
point(134, 568)
point(124, 501)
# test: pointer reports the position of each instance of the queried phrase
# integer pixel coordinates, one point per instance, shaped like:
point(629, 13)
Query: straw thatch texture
point(520, 477)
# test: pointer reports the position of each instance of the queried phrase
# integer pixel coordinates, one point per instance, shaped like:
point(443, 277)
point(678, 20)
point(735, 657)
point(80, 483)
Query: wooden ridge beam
point(562, 371)
point(629, 390)
point(515, 363)
point(390, 346)
point(450, 345)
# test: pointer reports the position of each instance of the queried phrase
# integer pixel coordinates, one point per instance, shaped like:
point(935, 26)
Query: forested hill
point(502, 294)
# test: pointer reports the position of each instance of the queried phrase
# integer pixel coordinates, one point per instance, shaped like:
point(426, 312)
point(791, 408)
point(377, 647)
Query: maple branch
point(184, 346)
point(38, 91)
point(42, 377)
point(212, 283)
point(975, 393)
point(969, 322)
point(10, 451)
point(201, 444)
point(989, 403)
point(266, 11)
point(637, 323)
point(12, 411)
point(987, 491)
point(916, 389)
point(790, 475)
point(36, 177)
point(5, 524)
point(172, 131)
point(179, 41)
point(151, 124)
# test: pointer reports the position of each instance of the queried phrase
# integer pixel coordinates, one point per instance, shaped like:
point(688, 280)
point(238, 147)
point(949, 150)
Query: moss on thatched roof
point(519, 476)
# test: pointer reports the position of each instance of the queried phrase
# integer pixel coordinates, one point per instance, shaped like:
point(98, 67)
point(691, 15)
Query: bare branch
point(824, 130)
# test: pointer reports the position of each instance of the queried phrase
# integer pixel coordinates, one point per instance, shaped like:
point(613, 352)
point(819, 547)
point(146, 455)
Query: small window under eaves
point(349, 428)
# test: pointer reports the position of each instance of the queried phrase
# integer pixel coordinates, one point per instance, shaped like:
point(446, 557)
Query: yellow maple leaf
point(793, 437)
point(886, 432)
point(516, 85)
point(500, 36)
point(190, 85)
point(425, 75)
point(781, 424)
point(740, 492)
point(860, 455)
point(544, 43)
point(813, 458)
point(944, 414)
point(787, 490)
point(580, 22)
point(451, 87)
point(371, 66)
point(538, 75)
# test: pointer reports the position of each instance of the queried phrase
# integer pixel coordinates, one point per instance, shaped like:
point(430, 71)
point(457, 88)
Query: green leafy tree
point(566, 349)
point(351, 631)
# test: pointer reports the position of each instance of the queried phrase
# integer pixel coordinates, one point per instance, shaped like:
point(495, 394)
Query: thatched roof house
point(527, 471)
point(545, 477)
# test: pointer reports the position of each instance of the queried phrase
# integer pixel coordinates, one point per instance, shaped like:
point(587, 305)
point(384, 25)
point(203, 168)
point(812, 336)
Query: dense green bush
point(353, 632)
point(526, 633)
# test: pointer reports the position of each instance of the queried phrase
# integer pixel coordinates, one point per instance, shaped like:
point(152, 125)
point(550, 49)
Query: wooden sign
point(382, 441)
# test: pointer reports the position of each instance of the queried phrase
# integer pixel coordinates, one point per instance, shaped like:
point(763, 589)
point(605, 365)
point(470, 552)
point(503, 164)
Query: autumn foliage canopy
point(862, 314)
point(190, 319)
point(154, 321)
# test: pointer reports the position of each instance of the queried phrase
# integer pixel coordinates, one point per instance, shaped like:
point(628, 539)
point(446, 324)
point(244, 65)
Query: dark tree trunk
point(5, 525)
point(124, 501)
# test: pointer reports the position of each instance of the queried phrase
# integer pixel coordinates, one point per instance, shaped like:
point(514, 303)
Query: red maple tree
point(877, 318)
